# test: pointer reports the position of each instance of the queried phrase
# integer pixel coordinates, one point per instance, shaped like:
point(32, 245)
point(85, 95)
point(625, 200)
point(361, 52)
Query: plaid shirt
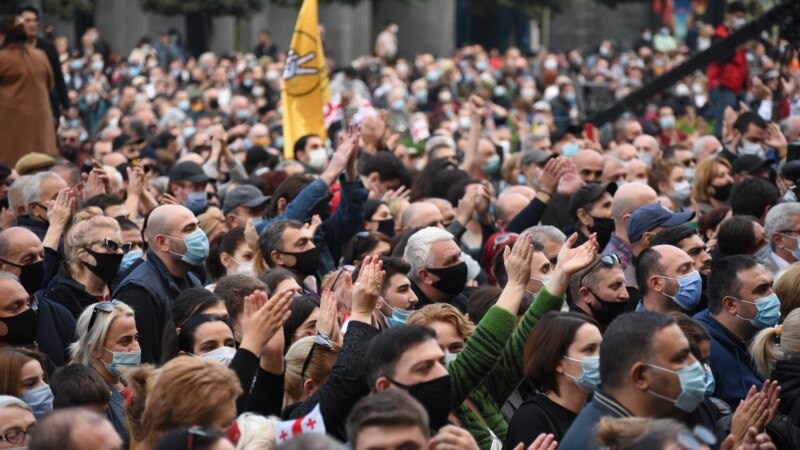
point(620, 248)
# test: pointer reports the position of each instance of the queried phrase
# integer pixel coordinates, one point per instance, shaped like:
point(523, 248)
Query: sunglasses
point(105, 307)
point(320, 340)
point(113, 246)
point(607, 261)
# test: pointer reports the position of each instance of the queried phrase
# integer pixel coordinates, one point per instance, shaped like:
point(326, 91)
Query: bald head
point(647, 147)
point(589, 165)
point(19, 247)
point(193, 157)
point(706, 147)
point(74, 428)
point(508, 205)
point(166, 219)
point(113, 159)
point(627, 199)
point(421, 214)
point(525, 191)
point(637, 170)
point(625, 152)
point(613, 169)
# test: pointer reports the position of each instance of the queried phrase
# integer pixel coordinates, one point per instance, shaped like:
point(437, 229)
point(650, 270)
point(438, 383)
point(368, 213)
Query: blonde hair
point(186, 391)
point(256, 432)
point(442, 312)
point(704, 174)
point(85, 223)
point(89, 340)
point(319, 367)
point(637, 432)
point(787, 287)
point(776, 343)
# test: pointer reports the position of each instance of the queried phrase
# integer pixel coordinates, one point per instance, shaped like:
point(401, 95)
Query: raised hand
point(341, 157)
point(327, 321)
point(343, 292)
point(455, 438)
point(542, 442)
point(775, 138)
point(517, 260)
point(60, 210)
point(367, 289)
point(135, 181)
point(748, 413)
point(263, 318)
point(251, 236)
point(571, 260)
point(314, 224)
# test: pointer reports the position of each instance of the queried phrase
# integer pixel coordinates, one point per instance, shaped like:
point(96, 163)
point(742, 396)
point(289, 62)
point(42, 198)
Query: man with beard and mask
point(688, 239)
point(290, 244)
point(590, 210)
point(782, 229)
point(438, 274)
point(301, 197)
point(187, 184)
point(599, 291)
point(39, 191)
point(752, 135)
point(311, 152)
point(22, 255)
point(668, 280)
point(95, 250)
point(176, 245)
point(647, 370)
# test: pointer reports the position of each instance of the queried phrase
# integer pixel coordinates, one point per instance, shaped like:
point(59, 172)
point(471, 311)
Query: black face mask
point(306, 263)
point(31, 276)
point(451, 279)
point(107, 266)
point(21, 329)
point(610, 310)
point(604, 227)
point(722, 193)
point(386, 227)
point(435, 396)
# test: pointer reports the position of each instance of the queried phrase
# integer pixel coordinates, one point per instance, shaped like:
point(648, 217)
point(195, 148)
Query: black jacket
point(150, 290)
point(69, 293)
point(58, 96)
point(580, 435)
point(787, 374)
point(55, 330)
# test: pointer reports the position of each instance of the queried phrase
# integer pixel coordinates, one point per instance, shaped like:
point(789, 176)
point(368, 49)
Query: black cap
point(749, 164)
point(5, 172)
point(588, 193)
point(188, 170)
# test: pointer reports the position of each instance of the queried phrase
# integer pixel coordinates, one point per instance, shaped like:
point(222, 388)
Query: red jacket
point(732, 74)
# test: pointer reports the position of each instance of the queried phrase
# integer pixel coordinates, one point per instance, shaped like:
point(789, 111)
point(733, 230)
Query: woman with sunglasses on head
point(94, 251)
point(108, 343)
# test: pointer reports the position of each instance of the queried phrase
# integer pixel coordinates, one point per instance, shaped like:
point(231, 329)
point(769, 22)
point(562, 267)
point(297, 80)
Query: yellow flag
point(305, 90)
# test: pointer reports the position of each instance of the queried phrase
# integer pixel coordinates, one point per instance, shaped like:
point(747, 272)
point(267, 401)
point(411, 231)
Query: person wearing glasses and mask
point(94, 250)
point(107, 342)
point(177, 245)
point(16, 421)
point(600, 291)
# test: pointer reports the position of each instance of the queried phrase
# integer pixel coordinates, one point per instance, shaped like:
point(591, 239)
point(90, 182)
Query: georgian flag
point(311, 423)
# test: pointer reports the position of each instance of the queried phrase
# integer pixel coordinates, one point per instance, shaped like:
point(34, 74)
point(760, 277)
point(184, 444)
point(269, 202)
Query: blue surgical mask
point(689, 292)
point(492, 165)
point(399, 105)
point(184, 105)
point(589, 378)
point(647, 159)
point(768, 311)
point(570, 149)
point(711, 383)
point(196, 248)
point(693, 386)
point(521, 180)
point(795, 252)
point(122, 360)
point(763, 254)
point(667, 122)
point(196, 202)
point(223, 355)
point(40, 400)
point(130, 258)
point(398, 318)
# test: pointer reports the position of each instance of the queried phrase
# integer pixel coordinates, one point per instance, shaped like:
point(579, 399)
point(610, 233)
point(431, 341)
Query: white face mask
point(244, 268)
point(751, 148)
point(317, 159)
point(682, 190)
point(222, 355)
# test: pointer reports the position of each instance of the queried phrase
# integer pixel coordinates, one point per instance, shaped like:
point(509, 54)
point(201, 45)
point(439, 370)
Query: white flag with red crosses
point(311, 423)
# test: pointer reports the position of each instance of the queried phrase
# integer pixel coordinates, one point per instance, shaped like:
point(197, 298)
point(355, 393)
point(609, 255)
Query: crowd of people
point(461, 263)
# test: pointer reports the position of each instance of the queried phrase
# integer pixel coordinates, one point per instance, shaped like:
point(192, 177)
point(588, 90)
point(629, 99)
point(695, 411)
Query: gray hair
point(779, 218)
point(699, 143)
point(8, 275)
point(32, 192)
point(88, 340)
point(15, 193)
point(115, 177)
point(9, 401)
point(272, 237)
point(257, 431)
point(418, 250)
point(542, 233)
point(288, 163)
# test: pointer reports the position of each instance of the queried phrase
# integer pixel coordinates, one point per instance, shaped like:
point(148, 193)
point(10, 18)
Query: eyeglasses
point(320, 340)
point(113, 246)
point(607, 261)
point(105, 307)
point(15, 436)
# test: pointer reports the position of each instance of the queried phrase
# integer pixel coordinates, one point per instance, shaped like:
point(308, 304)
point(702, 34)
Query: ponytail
point(766, 350)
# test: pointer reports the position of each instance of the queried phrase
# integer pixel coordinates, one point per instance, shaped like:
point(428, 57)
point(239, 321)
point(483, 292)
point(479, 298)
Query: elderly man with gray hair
point(16, 421)
point(438, 273)
point(36, 196)
point(782, 229)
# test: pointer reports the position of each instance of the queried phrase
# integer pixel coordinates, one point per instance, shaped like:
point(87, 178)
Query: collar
point(621, 248)
point(614, 406)
point(780, 262)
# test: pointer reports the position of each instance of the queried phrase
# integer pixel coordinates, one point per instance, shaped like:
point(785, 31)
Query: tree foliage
point(237, 8)
point(66, 9)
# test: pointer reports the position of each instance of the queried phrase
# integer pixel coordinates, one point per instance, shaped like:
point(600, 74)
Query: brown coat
point(26, 122)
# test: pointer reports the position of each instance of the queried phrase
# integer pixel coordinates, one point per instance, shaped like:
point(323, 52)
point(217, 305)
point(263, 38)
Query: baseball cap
point(748, 163)
point(246, 195)
point(535, 156)
point(588, 193)
point(649, 217)
point(33, 162)
point(188, 170)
